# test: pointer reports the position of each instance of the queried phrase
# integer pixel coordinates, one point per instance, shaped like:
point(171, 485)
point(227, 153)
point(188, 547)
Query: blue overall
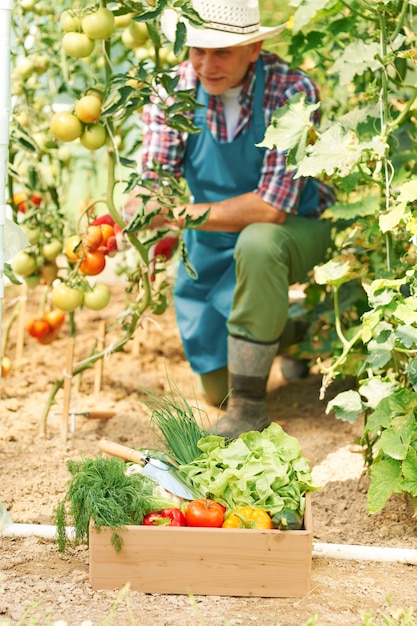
point(216, 171)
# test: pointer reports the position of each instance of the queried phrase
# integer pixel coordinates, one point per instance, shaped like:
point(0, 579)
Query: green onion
point(179, 430)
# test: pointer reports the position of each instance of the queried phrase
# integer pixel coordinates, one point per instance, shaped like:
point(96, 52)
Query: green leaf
point(395, 440)
point(8, 272)
point(290, 125)
point(183, 123)
point(336, 272)
point(385, 480)
point(376, 390)
point(406, 311)
point(401, 402)
point(347, 406)
point(367, 205)
point(388, 221)
point(411, 371)
point(356, 58)
point(408, 192)
point(409, 471)
point(187, 263)
point(407, 335)
point(336, 150)
point(306, 10)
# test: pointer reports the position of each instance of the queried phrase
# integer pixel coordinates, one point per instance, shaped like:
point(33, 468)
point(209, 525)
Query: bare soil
point(39, 583)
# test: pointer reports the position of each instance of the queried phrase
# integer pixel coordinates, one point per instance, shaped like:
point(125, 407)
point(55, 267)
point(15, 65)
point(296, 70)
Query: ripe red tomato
point(107, 231)
point(93, 262)
point(20, 199)
point(38, 327)
point(93, 237)
point(55, 318)
point(48, 338)
point(204, 512)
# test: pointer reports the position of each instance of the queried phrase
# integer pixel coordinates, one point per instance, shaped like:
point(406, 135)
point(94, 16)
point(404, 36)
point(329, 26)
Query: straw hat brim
point(210, 38)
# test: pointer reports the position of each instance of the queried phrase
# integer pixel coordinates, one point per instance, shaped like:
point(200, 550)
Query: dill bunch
point(99, 490)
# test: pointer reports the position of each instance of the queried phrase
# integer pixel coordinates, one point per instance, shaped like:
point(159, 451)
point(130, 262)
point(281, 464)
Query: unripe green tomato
point(33, 234)
point(23, 264)
point(98, 25)
point(32, 281)
point(51, 249)
point(77, 45)
point(70, 22)
point(65, 126)
point(94, 137)
point(98, 297)
point(66, 298)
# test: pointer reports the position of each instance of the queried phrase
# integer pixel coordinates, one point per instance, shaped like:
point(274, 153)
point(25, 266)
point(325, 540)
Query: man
point(262, 233)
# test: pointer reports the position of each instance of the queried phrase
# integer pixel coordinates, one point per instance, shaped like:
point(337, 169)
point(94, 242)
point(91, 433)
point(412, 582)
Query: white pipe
point(365, 553)
point(326, 550)
point(5, 98)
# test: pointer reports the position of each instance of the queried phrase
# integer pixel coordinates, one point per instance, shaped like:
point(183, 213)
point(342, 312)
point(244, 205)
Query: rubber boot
point(249, 365)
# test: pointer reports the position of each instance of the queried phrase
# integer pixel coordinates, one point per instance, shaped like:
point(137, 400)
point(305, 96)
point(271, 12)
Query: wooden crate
point(205, 561)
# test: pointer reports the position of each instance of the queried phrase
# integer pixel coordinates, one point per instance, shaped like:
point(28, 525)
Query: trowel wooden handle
point(121, 452)
point(99, 415)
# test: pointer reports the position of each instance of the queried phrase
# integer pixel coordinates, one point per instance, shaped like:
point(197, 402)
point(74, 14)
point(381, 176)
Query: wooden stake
point(99, 365)
point(67, 388)
point(21, 323)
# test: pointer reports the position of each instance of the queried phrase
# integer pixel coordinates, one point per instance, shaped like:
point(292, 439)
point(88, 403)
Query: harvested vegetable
point(179, 430)
point(100, 490)
point(204, 513)
point(248, 517)
point(166, 517)
point(260, 469)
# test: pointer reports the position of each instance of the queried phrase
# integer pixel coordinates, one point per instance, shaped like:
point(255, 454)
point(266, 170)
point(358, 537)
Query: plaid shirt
point(276, 185)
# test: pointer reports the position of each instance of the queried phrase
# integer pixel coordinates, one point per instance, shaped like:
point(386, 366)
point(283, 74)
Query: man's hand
point(136, 201)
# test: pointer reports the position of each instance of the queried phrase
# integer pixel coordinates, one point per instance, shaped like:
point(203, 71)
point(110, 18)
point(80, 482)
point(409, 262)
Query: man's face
point(220, 69)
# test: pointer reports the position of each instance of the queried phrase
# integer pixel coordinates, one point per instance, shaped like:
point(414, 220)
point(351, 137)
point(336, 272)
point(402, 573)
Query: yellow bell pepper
point(248, 517)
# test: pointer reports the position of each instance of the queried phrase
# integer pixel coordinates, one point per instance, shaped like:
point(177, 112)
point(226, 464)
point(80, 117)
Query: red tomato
point(55, 318)
point(73, 248)
point(204, 512)
point(38, 327)
point(19, 199)
point(93, 237)
point(93, 262)
point(107, 231)
point(36, 198)
point(49, 337)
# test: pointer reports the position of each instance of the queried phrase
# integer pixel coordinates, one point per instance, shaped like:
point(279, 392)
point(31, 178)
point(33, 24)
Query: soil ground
point(40, 584)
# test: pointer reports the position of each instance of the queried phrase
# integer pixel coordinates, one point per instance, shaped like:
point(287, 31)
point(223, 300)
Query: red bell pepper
point(166, 517)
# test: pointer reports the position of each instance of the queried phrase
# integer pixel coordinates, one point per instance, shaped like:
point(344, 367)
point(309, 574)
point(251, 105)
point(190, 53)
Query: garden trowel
point(163, 473)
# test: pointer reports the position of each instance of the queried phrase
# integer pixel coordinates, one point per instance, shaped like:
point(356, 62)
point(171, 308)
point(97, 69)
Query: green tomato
point(77, 45)
point(32, 281)
point(51, 249)
point(98, 25)
point(66, 298)
point(65, 126)
point(98, 297)
point(70, 22)
point(94, 137)
point(24, 264)
point(33, 234)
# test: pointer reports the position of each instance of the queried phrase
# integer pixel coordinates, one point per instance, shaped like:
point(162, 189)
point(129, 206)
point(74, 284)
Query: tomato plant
point(204, 512)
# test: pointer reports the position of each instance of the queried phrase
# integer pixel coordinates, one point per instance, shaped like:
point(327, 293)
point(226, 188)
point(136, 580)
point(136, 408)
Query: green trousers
point(269, 258)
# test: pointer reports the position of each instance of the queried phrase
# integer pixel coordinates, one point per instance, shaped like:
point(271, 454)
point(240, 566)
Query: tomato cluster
point(45, 329)
point(83, 123)
point(90, 249)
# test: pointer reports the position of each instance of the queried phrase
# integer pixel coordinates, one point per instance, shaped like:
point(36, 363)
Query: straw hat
point(227, 23)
